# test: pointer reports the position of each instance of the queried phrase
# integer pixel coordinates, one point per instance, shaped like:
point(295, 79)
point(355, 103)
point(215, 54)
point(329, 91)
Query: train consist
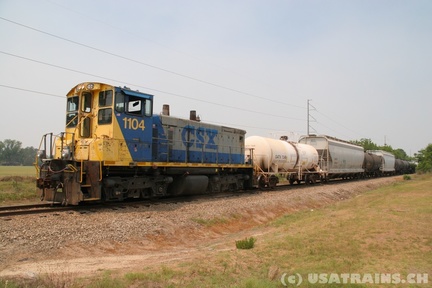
point(114, 148)
point(318, 158)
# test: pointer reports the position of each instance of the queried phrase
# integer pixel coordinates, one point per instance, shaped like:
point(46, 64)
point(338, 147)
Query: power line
point(168, 93)
point(338, 124)
point(90, 17)
point(32, 91)
point(57, 96)
point(147, 88)
point(146, 64)
point(164, 70)
point(311, 118)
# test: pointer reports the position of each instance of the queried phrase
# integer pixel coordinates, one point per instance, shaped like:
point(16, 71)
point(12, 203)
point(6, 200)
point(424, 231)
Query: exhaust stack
point(193, 116)
point(166, 110)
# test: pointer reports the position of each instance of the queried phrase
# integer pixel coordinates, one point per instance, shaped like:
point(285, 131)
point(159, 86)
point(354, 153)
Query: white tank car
point(273, 155)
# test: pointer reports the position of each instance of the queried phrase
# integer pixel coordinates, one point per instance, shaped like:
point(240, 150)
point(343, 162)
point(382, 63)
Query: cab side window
point(86, 102)
point(119, 102)
point(134, 106)
point(105, 100)
point(105, 116)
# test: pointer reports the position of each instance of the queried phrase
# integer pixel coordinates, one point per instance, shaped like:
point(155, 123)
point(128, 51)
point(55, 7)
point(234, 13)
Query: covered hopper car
point(337, 158)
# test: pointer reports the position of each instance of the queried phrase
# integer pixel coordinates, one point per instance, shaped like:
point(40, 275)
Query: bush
point(246, 243)
point(407, 177)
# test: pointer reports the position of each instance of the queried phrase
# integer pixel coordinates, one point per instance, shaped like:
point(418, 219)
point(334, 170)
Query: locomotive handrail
point(100, 170)
point(44, 143)
point(89, 115)
point(39, 154)
point(81, 170)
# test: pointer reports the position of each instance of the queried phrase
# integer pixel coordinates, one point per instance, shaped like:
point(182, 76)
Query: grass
point(17, 183)
point(247, 243)
point(387, 230)
point(17, 171)
point(383, 231)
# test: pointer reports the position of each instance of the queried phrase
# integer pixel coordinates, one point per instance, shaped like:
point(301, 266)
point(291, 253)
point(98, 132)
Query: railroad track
point(46, 208)
point(42, 208)
point(6, 211)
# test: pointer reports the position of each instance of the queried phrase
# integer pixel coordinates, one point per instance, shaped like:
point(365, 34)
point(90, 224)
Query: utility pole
point(309, 115)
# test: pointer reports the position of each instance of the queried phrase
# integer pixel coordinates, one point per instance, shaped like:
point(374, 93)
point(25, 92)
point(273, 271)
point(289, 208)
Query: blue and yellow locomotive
point(114, 148)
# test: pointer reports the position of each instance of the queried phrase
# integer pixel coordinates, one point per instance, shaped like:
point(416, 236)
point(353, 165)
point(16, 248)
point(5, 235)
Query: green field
point(17, 171)
point(17, 183)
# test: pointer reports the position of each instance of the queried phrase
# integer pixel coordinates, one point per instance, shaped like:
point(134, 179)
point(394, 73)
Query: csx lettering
point(133, 123)
point(200, 137)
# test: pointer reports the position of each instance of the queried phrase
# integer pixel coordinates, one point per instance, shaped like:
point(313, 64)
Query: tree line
point(367, 144)
point(13, 154)
point(422, 158)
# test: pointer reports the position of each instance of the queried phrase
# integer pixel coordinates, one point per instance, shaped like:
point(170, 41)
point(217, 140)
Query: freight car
point(317, 158)
point(403, 167)
point(280, 158)
point(371, 164)
point(337, 158)
point(114, 147)
point(382, 163)
point(313, 158)
point(388, 161)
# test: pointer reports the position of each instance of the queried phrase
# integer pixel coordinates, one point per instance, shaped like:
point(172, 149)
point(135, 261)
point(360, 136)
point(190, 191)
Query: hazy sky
point(365, 65)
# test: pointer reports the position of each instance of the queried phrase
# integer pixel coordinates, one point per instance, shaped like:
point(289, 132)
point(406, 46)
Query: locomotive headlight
point(66, 153)
point(90, 86)
point(41, 154)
